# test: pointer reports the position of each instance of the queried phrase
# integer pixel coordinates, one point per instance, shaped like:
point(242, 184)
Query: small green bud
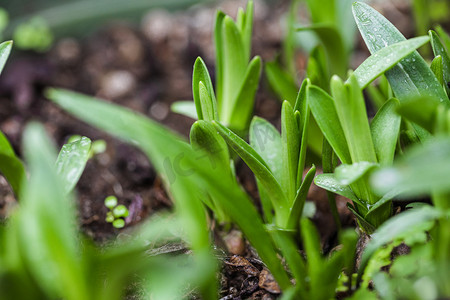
point(111, 202)
point(109, 217)
point(119, 223)
point(98, 147)
point(120, 211)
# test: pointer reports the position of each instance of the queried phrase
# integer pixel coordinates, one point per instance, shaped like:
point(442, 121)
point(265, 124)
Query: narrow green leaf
point(5, 49)
point(436, 67)
point(299, 201)
point(266, 141)
point(281, 82)
point(364, 224)
point(445, 37)
point(220, 59)
point(247, 29)
point(423, 169)
point(324, 111)
point(311, 243)
point(348, 174)
point(301, 105)
point(234, 66)
point(258, 167)
point(290, 138)
point(242, 110)
point(409, 77)
point(352, 114)
point(11, 166)
point(439, 49)
point(317, 68)
point(186, 108)
point(207, 105)
point(204, 136)
point(385, 128)
point(386, 58)
point(71, 162)
point(330, 183)
point(201, 74)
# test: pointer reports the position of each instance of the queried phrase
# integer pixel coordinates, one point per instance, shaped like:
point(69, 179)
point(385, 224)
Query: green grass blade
point(258, 167)
point(185, 108)
point(242, 110)
point(5, 49)
point(324, 111)
point(386, 58)
point(281, 82)
point(290, 138)
point(11, 166)
point(201, 74)
point(351, 110)
point(445, 37)
point(409, 77)
point(266, 141)
point(385, 128)
point(71, 162)
point(163, 146)
point(439, 49)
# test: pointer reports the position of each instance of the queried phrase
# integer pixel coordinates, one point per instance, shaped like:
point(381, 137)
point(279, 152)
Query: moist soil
point(146, 68)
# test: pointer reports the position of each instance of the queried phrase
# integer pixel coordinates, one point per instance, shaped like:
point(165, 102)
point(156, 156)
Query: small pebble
point(116, 84)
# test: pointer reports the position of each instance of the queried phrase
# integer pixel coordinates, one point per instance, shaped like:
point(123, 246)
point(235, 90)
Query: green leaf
point(301, 105)
point(311, 243)
point(47, 235)
point(204, 136)
point(290, 138)
point(445, 37)
point(111, 202)
point(348, 174)
point(422, 170)
point(220, 59)
point(120, 211)
point(5, 49)
point(324, 111)
point(281, 82)
point(330, 183)
point(186, 108)
point(11, 166)
point(169, 154)
point(386, 58)
point(436, 67)
point(207, 105)
point(439, 49)
point(420, 110)
point(258, 167)
point(247, 29)
point(351, 110)
point(411, 76)
point(234, 66)
point(398, 226)
point(317, 68)
point(385, 128)
point(242, 110)
point(201, 74)
point(72, 160)
point(266, 141)
point(299, 201)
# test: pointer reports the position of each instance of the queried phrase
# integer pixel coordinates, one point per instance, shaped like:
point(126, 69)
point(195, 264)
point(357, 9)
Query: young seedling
point(236, 78)
point(116, 213)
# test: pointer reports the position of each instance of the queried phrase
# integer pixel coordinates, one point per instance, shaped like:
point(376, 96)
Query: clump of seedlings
point(401, 153)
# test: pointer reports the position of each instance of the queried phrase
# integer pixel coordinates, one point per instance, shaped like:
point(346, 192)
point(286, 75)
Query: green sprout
point(116, 213)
